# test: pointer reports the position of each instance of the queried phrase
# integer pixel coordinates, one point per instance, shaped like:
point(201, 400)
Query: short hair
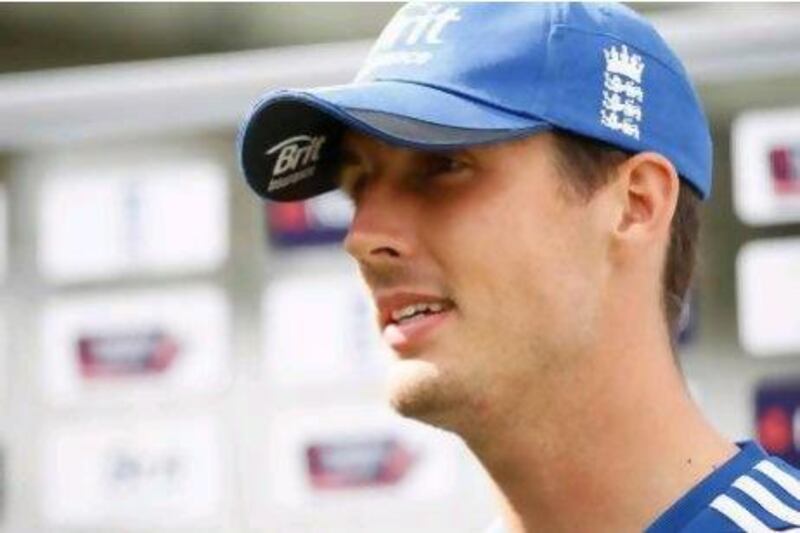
point(588, 164)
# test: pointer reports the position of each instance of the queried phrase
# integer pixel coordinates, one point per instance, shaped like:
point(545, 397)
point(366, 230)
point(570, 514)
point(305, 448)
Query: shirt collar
point(702, 494)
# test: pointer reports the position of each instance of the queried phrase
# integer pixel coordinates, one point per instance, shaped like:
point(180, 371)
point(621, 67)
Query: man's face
point(487, 275)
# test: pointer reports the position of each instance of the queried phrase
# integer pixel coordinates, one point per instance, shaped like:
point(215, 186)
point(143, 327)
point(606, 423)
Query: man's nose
point(382, 225)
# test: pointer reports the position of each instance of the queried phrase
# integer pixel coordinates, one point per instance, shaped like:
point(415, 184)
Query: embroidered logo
point(410, 37)
point(298, 151)
point(622, 91)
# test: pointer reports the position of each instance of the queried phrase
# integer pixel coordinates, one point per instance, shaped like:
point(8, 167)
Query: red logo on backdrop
point(785, 169)
point(775, 430)
point(778, 418)
point(362, 463)
point(320, 220)
point(289, 217)
point(125, 353)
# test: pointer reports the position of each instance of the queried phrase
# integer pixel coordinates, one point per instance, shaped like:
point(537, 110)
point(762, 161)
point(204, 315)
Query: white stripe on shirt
point(787, 482)
point(739, 515)
point(771, 503)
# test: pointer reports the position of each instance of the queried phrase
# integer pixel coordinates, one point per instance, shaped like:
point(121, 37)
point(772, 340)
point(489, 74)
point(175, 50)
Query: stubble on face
point(491, 237)
point(424, 386)
point(411, 387)
point(418, 389)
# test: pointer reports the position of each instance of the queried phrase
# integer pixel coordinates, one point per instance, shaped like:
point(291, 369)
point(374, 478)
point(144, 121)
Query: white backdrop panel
point(195, 318)
point(102, 220)
point(133, 474)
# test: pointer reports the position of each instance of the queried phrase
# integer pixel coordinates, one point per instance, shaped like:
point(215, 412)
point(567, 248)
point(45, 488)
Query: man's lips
point(407, 337)
point(407, 318)
point(390, 303)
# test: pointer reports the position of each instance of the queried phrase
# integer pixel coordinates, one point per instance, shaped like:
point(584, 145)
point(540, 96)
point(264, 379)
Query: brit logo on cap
point(297, 156)
point(410, 37)
point(623, 94)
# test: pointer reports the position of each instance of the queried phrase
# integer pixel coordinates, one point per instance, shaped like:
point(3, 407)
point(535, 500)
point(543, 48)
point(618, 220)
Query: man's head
point(500, 248)
point(498, 268)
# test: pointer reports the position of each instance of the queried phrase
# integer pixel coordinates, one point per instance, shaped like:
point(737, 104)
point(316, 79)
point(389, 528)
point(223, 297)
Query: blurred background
point(177, 356)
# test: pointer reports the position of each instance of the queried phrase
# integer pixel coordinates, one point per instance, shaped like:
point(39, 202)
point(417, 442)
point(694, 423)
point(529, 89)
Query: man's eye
point(454, 165)
point(447, 165)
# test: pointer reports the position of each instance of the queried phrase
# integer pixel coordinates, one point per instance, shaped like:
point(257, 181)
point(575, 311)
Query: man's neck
point(618, 447)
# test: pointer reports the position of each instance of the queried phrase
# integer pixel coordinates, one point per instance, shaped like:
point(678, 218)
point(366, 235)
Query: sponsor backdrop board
point(778, 417)
point(768, 279)
point(135, 345)
point(157, 217)
point(5, 367)
point(321, 330)
point(349, 456)
point(766, 166)
point(4, 477)
point(320, 220)
point(122, 475)
point(3, 233)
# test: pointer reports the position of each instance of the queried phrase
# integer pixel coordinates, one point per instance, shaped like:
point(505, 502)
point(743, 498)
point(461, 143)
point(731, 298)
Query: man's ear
point(648, 187)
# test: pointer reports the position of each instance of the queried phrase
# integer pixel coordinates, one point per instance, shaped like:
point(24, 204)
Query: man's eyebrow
point(451, 152)
point(350, 156)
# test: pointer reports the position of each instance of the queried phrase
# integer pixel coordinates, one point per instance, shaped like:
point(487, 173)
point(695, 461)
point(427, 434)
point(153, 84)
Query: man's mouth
point(407, 320)
point(418, 311)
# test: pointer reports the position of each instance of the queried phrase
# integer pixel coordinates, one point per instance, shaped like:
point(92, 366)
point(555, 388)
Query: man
point(525, 180)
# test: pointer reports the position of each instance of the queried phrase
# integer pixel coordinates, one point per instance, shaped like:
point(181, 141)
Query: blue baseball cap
point(450, 76)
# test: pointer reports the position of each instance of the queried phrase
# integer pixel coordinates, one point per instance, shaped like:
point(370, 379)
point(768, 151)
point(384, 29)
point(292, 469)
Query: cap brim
point(289, 145)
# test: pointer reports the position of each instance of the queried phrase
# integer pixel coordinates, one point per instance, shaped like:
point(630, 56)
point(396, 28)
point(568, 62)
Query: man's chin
point(417, 389)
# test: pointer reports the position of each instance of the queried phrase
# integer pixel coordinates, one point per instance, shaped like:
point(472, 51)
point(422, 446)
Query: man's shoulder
point(751, 492)
point(764, 498)
point(767, 496)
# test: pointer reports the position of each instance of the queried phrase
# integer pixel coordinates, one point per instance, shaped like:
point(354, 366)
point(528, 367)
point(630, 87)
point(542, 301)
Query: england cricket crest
point(623, 96)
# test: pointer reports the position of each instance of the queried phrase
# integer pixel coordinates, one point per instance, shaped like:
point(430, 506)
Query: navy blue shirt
point(751, 492)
